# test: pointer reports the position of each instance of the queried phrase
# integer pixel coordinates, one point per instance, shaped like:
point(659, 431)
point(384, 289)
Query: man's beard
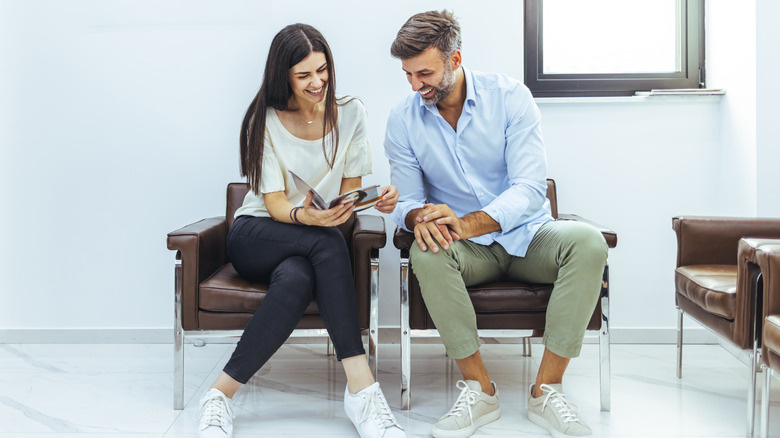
point(444, 88)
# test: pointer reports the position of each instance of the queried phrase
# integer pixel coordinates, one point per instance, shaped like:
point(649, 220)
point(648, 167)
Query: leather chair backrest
point(552, 195)
point(235, 197)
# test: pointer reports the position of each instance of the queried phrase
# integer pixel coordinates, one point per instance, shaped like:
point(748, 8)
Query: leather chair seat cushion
point(510, 297)
point(226, 291)
point(711, 287)
point(771, 333)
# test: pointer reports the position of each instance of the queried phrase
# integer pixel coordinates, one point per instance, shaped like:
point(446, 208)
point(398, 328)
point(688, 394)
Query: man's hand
point(429, 233)
point(442, 215)
point(438, 223)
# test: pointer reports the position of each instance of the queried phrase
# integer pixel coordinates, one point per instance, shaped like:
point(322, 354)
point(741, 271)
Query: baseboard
point(387, 335)
point(87, 336)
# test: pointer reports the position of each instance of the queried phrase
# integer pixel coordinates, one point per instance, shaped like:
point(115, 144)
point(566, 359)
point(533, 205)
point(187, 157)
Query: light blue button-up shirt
point(494, 162)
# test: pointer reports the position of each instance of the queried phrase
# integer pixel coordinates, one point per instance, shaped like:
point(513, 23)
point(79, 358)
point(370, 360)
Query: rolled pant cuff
point(464, 350)
point(568, 350)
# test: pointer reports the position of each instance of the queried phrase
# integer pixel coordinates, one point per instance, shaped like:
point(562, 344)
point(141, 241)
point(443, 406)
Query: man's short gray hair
point(425, 30)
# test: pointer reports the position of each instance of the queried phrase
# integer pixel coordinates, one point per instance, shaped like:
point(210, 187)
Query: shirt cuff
point(402, 209)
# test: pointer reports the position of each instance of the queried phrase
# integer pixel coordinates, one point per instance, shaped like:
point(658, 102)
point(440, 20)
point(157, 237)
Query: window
point(613, 47)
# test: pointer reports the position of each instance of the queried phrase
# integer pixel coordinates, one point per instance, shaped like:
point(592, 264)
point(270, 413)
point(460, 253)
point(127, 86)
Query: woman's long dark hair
point(289, 47)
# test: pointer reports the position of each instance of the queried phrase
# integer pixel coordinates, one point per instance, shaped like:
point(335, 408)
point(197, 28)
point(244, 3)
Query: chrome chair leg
point(751, 395)
point(178, 340)
point(373, 324)
point(331, 349)
point(765, 399)
point(679, 341)
point(605, 374)
point(406, 360)
point(755, 358)
point(527, 352)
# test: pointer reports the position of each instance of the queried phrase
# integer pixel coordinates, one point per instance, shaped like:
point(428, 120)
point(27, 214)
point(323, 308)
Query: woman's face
point(309, 78)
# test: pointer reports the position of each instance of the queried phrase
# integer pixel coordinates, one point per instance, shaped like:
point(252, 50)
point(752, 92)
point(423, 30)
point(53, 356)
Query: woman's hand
point(311, 215)
point(389, 199)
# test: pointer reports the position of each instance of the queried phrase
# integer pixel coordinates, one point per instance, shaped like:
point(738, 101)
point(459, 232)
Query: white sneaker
point(553, 412)
point(472, 410)
point(216, 415)
point(369, 412)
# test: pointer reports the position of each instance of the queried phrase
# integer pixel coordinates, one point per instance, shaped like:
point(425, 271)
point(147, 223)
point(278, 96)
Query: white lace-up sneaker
point(369, 412)
point(216, 415)
point(553, 412)
point(472, 410)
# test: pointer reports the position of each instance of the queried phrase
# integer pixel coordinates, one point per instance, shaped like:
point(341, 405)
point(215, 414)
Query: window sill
point(632, 99)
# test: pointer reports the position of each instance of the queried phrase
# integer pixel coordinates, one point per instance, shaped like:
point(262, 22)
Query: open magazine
point(364, 198)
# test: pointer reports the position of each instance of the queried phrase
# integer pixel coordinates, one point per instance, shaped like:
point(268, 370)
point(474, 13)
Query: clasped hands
point(437, 224)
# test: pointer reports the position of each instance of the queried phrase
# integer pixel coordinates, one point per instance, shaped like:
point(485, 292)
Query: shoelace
point(565, 410)
point(464, 402)
point(215, 411)
point(378, 408)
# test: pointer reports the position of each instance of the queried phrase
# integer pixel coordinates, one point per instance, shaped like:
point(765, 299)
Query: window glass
point(613, 47)
point(610, 36)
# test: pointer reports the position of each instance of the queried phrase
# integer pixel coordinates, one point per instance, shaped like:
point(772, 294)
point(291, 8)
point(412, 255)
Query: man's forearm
point(478, 223)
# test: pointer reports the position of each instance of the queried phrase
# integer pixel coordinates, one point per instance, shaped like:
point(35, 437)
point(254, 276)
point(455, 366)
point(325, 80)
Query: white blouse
point(283, 151)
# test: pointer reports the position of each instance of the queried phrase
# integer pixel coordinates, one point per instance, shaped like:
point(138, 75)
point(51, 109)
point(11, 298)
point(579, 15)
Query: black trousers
point(300, 264)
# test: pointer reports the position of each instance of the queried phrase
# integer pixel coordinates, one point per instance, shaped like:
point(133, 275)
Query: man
point(467, 156)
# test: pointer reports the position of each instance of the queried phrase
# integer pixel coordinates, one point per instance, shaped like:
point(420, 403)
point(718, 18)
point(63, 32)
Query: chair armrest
point(402, 239)
point(763, 254)
point(368, 236)
point(714, 240)
point(369, 232)
point(201, 248)
point(609, 235)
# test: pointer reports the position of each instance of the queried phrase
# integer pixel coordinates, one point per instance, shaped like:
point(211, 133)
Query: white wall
point(120, 123)
point(632, 167)
point(731, 64)
point(767, 126)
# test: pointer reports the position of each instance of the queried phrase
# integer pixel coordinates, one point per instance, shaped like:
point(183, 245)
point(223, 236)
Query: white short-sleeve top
point(283, 151)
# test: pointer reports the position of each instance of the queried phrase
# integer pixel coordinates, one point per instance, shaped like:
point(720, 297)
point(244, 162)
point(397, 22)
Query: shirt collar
point(471, 91)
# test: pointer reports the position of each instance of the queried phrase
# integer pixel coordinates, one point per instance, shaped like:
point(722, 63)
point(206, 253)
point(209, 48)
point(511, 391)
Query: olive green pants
point(569, 254)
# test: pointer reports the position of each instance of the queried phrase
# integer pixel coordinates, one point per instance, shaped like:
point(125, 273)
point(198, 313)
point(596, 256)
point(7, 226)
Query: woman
point(297, 123)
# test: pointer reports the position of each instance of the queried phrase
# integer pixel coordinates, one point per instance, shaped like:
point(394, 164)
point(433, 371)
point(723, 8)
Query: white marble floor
point(126, 391)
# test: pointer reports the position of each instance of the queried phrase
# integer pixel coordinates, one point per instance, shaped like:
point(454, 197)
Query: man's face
point(430, 75)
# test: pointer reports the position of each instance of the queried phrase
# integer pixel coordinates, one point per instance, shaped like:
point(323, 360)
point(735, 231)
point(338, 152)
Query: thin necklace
point(307, 121)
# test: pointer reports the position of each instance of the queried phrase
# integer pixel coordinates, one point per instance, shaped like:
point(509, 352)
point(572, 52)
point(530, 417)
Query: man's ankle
point(537, 392)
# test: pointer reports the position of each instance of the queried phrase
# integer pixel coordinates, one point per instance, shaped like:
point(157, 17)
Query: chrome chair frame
point(765, 400)
point(751, 358)
point(232, 336)
point(407, 333)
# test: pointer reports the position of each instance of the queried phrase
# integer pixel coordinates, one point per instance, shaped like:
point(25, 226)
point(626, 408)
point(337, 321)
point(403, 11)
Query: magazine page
point(304, 188)
point(363, 198)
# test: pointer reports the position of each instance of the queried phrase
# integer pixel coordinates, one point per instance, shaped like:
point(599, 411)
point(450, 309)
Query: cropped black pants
point(300, 264)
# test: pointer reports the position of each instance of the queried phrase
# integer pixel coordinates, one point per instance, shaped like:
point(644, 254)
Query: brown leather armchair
point(763, 255)
point(504, 309)
point(717, 285)
point(213, 302)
